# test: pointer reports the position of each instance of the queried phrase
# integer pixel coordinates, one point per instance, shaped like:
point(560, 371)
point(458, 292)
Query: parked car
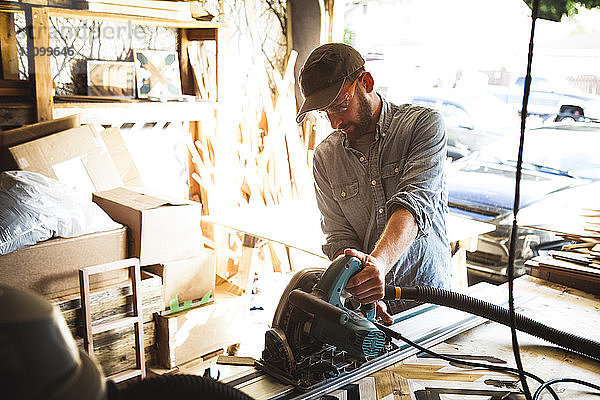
point(473, 121)
point(548, 97)
point(558, 161)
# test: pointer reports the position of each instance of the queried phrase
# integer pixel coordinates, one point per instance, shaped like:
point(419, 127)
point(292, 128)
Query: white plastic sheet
point(34, 208)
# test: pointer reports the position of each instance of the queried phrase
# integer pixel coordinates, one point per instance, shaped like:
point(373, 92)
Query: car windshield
point(569, 150)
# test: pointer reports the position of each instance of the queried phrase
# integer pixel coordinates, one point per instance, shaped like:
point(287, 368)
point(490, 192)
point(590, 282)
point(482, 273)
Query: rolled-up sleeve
point(421, 186)
point(338, 231)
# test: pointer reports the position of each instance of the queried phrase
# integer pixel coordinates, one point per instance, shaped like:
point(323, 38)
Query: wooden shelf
point(137, 111)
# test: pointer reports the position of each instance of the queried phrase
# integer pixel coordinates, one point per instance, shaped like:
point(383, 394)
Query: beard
point(361, 126)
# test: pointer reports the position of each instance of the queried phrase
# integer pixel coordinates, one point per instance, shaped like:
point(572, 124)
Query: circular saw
point(316, 336)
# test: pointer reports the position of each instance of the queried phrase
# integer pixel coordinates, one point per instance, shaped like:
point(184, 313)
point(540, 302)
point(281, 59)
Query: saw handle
point(313, 305)
point(369, 310)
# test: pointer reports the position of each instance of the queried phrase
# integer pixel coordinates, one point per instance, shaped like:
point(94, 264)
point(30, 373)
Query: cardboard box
point(77, 157)
point(121, 158)
point(190, 280)
point(30, 132)
point(193, 333)
point(160, 230)
point(51, 267)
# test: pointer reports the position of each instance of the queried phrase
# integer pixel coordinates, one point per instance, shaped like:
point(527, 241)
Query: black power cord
point(547, 384)
point(514, 231)
point(512, 371)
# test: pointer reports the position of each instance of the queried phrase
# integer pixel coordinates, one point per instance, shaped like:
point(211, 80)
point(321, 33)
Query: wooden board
point(8, 47)
point(155, 9)
point(565, 273)
point(39, 66)
point(26, 133)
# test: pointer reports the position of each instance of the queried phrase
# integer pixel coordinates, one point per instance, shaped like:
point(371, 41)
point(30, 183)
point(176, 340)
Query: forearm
point(398, 234)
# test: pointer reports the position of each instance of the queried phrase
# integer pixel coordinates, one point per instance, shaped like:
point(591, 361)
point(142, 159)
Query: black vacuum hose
point(498, 314)
point(177, 387)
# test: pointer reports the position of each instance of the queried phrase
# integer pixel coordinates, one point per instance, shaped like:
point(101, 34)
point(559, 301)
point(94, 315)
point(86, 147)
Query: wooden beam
point(27, 133)
point(202, 34)
point(16, 114)
point(187, 78)
point(8, 47)
point(167, 23)
point(14, 88)
point(39, 66)
point(222, 35)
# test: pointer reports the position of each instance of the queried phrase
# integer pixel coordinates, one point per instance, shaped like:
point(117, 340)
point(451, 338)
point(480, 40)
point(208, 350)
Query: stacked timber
point(264, 162)
point(577, 264)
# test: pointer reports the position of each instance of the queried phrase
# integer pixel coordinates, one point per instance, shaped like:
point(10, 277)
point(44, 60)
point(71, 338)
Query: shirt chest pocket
point(343, 193)
point(390, 174)
point(390, 170)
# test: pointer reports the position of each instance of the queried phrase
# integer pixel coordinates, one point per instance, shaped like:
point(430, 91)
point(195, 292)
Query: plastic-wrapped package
point(34, 207)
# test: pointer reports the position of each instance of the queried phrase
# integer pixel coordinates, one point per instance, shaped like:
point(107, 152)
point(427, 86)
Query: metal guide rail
point(427, 325)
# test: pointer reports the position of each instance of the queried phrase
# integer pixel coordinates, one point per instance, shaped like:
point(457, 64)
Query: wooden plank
point(117, 324)
point(222, 42)
point(147, 20)
point(565, 273)
point(134, 272)
point(155, 4)
point(93, 99)
point(187, 79)
point(8, 47)
point(39, 66)
point(16, 114)
point(14, 137)
point(201, 34)
point(88, 335)
point(125, 9)
point(98, 269)
point(124, 375)
point(235, 360)
point(26, 133)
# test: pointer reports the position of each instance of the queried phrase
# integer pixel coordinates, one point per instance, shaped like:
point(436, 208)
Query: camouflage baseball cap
point(324, 73)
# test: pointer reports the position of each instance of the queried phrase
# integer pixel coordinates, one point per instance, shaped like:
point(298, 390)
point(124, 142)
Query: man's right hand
point(368, 285)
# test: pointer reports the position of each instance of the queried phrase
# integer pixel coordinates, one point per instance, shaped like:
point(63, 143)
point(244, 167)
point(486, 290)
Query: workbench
point(552, 304)
point(555, 305)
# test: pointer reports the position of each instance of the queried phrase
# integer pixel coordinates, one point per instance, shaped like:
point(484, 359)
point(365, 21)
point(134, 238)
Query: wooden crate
point(194, 333)
point(115, 350)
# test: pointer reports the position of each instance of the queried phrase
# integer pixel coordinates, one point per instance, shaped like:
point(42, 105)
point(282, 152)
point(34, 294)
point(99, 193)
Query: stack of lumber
point(265, 162)
point(577, 264)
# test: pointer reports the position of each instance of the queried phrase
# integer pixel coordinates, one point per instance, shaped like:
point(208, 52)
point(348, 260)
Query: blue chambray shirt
point(405, 167)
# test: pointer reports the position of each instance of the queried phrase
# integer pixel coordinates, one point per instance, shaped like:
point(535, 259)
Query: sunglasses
point(343, 105)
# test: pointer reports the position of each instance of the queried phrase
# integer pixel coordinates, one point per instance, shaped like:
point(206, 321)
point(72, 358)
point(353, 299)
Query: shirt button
point(381, 211)
point(396, 170)
point(383, 134)
point(362, 159)
point(373, 182)
point(343, 194)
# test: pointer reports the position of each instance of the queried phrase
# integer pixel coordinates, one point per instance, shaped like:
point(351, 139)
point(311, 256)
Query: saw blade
point(292, 320)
